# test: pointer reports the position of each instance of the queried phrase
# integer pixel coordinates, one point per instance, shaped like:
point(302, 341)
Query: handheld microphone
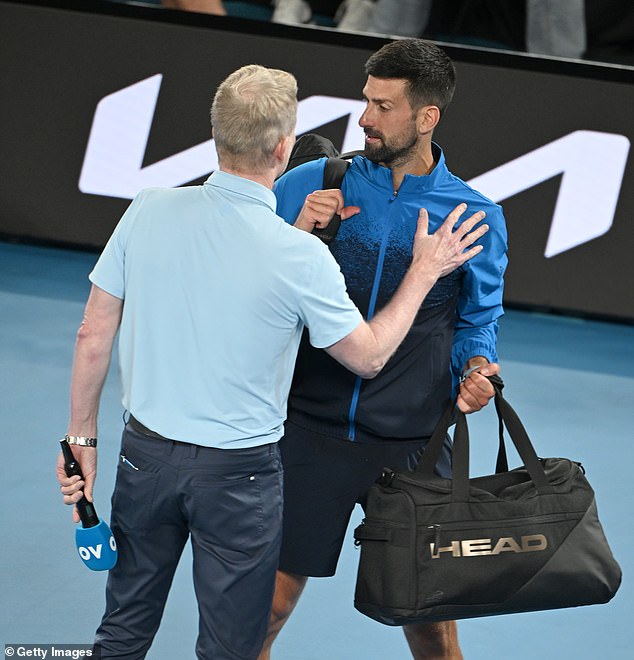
point(95, 543)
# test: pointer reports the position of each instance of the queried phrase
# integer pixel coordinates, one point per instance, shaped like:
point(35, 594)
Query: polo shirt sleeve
point(109, 271)
point(325, 307)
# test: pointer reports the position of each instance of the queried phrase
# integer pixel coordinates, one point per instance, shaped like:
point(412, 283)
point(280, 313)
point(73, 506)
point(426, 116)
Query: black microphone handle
point(85, 509)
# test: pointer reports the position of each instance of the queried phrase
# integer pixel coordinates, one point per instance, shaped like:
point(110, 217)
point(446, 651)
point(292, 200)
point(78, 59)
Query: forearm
point(392, 323)
point(93, 348)
point(90, 368)
point(367, 349)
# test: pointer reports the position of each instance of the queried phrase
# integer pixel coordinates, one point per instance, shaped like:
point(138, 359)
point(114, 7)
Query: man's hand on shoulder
point(448, 247)
point(475, 391)
point(320, 207)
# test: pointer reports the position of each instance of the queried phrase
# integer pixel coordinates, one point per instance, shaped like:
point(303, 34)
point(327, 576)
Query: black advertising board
point(100, 100)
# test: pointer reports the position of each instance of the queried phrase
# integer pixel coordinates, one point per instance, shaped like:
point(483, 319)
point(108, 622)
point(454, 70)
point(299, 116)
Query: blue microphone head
point(96, 546)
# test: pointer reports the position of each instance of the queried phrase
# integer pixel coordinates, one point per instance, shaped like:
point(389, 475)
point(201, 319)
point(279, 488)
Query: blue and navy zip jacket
point(457, 320)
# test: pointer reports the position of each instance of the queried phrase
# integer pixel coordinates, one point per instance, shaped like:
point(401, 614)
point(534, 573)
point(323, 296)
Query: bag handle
point(460, 470)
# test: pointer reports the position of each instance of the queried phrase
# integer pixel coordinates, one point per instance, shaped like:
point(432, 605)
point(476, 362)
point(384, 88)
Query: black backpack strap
point(334, 171)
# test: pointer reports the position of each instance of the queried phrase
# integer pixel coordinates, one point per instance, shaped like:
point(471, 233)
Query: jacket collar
point(411, 184)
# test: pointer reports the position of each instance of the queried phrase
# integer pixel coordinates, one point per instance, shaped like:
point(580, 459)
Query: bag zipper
point(509, 522)
point(447, 489)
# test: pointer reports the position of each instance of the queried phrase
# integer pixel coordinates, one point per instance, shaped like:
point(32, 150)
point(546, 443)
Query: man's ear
point(280, 149)
point(427, 118)
point(283, 149)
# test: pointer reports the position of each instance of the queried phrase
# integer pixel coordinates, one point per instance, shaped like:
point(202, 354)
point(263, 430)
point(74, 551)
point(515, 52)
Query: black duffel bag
point(435, 549)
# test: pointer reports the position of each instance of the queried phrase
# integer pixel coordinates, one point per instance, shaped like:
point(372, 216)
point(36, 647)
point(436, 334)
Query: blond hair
point(252, 110)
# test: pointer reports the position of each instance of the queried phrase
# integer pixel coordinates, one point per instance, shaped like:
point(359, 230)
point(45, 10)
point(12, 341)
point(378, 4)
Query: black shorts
point(324, 478)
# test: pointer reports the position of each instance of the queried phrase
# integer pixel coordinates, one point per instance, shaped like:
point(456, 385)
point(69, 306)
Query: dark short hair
point(430, 74)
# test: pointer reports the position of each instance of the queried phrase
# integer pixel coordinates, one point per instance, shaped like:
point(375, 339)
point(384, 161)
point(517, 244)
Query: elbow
point(360, 352)
point(84, 333)
point(373, 362)
point(86, 339)
point(371, 368)
point(92, 345)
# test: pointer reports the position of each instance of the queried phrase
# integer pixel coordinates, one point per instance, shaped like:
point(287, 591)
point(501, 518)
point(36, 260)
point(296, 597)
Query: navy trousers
point(229, 502)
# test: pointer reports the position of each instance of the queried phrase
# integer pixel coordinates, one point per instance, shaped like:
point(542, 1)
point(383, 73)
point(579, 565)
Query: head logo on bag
point(479, 547)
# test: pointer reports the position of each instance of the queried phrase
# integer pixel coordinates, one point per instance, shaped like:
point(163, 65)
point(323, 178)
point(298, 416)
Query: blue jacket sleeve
point(292, 188)
point(480, 302)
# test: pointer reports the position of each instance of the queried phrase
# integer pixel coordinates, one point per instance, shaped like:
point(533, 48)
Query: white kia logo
point(591, 163)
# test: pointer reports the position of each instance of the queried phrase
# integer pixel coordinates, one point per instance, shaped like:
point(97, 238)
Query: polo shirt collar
point(244, 187)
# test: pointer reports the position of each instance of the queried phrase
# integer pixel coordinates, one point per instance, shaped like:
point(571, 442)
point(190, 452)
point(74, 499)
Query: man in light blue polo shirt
point(210, 292)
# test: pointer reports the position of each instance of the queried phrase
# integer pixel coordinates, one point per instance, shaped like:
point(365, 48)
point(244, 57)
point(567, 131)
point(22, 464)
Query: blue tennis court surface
point(571, 381)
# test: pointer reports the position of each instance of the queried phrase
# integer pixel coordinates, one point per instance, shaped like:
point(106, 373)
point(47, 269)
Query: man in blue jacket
point(341, 429)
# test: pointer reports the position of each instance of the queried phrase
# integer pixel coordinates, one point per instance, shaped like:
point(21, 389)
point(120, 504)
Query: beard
point(394, 152)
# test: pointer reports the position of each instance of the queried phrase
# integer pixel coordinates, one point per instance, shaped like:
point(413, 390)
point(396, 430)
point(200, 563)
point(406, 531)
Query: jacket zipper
point(373, 296)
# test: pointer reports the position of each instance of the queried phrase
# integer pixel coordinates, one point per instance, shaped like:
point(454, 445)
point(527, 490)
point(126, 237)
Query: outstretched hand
point(447, 248)
point(320, 207)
